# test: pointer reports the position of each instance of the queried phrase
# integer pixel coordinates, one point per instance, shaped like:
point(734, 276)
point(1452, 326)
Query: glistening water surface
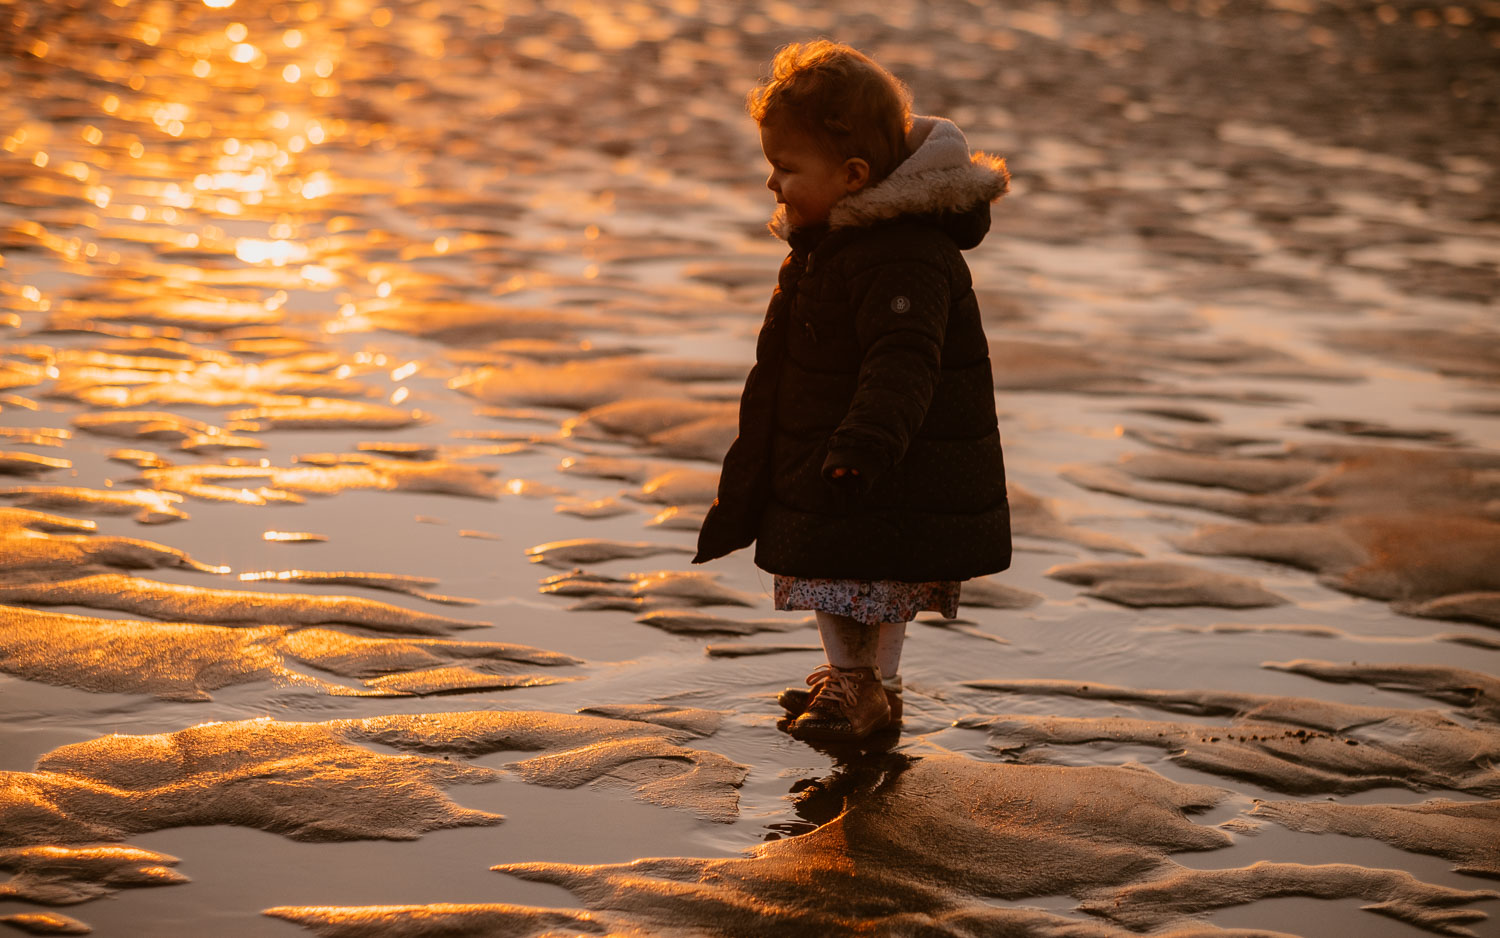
point(365, 371)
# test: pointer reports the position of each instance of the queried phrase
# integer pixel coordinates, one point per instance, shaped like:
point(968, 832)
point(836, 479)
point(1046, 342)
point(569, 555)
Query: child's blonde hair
point(841, 98)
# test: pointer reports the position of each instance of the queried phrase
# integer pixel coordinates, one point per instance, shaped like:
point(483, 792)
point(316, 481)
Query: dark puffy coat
point(873, 357)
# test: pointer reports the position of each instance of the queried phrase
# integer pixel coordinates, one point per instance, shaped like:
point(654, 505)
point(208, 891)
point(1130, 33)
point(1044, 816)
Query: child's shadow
point(860, 770)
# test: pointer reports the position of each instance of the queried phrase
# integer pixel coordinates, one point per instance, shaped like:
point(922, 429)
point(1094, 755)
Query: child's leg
point(888, 651)
point(848, 701)
point(849, 643)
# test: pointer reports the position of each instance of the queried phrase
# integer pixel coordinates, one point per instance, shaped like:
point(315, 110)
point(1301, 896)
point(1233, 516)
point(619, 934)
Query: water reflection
point(188, 135)
point(234, 138)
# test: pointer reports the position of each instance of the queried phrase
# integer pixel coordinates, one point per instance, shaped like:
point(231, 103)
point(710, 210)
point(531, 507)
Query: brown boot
point(794, 700)
point(849, 705)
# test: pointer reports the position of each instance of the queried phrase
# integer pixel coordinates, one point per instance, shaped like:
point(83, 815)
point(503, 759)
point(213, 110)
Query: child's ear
point(856, 174)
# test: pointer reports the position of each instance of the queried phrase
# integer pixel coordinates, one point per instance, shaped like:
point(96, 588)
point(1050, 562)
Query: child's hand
point(846, 485)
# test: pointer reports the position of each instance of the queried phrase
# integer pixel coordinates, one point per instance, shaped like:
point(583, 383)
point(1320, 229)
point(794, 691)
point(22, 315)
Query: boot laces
point(837, 686)
point(820, 675)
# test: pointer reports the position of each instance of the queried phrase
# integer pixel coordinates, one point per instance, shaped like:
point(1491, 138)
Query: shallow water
point(364, 267)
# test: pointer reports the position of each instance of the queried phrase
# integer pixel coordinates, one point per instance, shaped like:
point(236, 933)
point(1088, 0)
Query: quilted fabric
point(873, 358)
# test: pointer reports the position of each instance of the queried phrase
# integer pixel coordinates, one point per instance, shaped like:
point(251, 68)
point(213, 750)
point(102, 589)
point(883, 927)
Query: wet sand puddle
point(364, 372)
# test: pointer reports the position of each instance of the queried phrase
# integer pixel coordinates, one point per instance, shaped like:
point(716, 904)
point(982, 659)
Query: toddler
point(868, 464)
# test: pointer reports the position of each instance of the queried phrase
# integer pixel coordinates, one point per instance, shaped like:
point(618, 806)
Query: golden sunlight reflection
point(292, 537)
point(262, 251)
point(318, 276)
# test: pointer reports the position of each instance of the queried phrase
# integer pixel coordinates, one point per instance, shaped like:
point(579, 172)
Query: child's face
point(804, 177)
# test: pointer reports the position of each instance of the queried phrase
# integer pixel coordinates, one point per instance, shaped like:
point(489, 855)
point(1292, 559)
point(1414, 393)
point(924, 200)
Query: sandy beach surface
point(364, 374)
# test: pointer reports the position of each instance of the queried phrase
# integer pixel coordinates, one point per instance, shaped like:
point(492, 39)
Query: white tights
point(849, 643)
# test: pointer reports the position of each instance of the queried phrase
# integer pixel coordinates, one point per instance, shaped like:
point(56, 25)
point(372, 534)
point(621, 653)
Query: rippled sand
point(356, 355)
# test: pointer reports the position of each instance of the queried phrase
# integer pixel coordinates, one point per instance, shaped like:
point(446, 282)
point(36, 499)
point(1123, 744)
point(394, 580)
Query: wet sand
point(364, 373)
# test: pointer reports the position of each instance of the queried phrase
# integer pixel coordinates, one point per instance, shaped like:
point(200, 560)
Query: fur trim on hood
point(940, 175)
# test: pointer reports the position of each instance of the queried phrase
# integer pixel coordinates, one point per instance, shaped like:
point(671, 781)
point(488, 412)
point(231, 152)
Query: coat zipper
point(807, 270)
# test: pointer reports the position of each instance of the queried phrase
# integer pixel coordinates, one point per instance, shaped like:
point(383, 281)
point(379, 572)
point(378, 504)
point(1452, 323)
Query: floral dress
point(869, 601)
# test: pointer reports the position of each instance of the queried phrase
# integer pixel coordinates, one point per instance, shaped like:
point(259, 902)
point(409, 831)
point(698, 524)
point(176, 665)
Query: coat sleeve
point(901, 318)
point(733, 520)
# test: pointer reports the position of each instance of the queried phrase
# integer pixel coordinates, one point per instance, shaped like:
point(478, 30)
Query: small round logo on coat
point(900, 304)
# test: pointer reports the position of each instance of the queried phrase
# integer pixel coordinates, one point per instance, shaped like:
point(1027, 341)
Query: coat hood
point(940, 178)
